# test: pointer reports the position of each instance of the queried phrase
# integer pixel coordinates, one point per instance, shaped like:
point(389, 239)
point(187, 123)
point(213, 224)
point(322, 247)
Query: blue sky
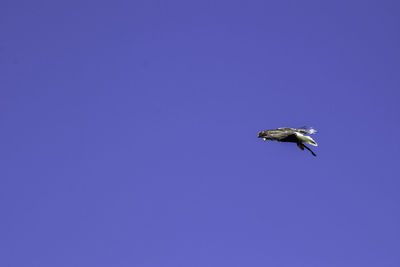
point(129, 133)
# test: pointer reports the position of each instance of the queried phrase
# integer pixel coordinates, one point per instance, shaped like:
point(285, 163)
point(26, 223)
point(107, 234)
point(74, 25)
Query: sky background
point(128, 133)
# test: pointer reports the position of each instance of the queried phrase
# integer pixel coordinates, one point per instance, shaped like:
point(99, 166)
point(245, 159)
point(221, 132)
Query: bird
point(292, 135)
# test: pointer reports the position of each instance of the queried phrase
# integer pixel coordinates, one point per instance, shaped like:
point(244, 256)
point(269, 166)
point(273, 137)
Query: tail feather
point(307, 130)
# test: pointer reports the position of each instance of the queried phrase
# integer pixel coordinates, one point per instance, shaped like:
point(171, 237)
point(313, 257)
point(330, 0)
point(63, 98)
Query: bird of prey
point(291, 135)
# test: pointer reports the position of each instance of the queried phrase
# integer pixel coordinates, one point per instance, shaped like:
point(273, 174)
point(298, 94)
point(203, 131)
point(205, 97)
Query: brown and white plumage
point(292, 135)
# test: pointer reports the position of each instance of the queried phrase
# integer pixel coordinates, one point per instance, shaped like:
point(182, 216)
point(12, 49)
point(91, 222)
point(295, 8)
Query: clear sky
point(128, 133)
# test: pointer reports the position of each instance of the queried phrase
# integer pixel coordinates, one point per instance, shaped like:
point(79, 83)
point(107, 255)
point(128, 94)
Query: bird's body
point(291, 135)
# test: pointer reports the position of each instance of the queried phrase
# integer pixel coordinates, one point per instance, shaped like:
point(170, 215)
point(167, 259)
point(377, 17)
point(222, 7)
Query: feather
point(291, 135)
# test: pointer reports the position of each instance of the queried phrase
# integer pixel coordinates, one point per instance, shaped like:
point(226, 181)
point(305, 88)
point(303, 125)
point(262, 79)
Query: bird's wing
point(281, 133)
point(305, 139)
point(312, 152)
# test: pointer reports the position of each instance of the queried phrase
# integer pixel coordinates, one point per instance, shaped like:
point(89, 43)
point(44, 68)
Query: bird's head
point(264, 135)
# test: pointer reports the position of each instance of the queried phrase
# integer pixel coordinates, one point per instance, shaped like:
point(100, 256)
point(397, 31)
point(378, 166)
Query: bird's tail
point(307, 130)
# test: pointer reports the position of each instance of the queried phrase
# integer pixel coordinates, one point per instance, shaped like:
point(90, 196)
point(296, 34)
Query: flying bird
point(292, 135)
